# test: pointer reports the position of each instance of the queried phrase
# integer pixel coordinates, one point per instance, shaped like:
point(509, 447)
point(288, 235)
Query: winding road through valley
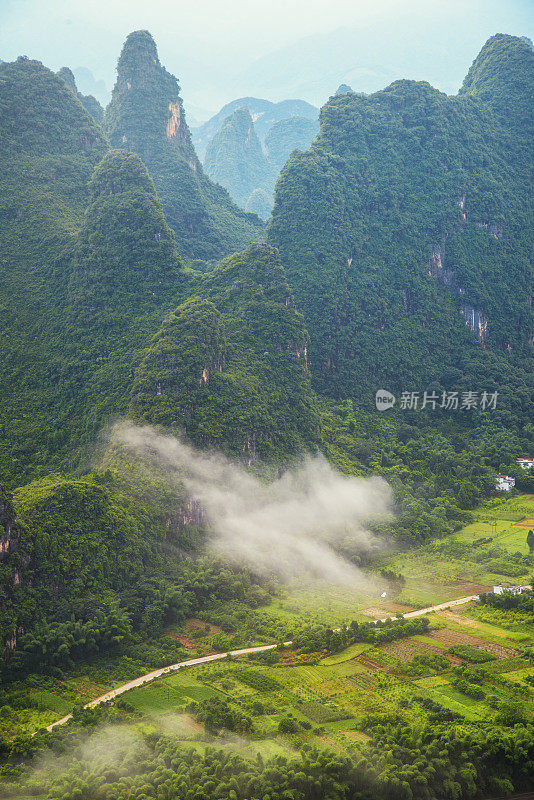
point(193, 662)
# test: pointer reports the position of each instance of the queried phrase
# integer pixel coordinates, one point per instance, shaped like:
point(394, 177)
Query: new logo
point(384, 400)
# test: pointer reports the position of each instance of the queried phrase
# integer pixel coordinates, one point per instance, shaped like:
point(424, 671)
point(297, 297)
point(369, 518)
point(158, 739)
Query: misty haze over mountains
point(308, 56)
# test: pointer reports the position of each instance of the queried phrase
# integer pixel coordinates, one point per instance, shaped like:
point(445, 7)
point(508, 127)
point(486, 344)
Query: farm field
point(453, 567)
point(466, 671)
point(492, 549)
point(324, 603)
point(488, 551)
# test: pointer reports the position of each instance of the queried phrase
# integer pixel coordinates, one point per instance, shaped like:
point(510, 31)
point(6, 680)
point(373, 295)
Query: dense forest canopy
point(404, 232)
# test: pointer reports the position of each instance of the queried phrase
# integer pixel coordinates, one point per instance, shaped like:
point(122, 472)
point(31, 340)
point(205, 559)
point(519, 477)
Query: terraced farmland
point(331, 699)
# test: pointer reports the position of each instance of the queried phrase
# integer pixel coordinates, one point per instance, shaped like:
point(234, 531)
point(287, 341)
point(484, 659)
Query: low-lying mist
point(286, 528)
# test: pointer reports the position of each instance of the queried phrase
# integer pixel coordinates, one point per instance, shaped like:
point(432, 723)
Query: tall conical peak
point(146, 102)
point(146, 116)
point(139, 54)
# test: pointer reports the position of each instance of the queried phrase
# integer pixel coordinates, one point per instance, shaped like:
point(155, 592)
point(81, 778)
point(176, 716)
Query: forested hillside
point(229, 366)
point(49, 147)
point(405, 235)
point(88, 263)
point(90, 269)
point(100, 318)
point(132, 288)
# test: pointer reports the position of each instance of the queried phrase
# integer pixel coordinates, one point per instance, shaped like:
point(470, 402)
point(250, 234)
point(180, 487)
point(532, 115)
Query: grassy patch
point(321, 713)
point(347, 654)
point(471, 654)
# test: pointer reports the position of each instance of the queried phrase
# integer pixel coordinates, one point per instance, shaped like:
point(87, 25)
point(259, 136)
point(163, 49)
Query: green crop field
point(321, 602)
point(359, 680)
point(346, 655)
point(493, 549)
point(330, 701)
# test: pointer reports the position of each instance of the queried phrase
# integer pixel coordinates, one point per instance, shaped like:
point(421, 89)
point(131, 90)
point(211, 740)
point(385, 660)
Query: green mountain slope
point(404, 232)
point(49, 147)
point(229, 366)
point(85, 569)
point(146, 116)
point(126, 260)
point(296, 133)
point(90, 272)
point(501, 75)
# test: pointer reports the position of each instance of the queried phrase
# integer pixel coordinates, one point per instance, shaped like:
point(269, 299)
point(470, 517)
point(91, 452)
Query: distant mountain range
point(367, 57)
point(235, 157)
point(264, 115)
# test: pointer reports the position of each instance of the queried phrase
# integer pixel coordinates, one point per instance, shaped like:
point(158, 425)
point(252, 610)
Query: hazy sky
point(211, 44)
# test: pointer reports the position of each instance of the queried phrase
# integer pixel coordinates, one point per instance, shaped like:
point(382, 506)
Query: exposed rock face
point(146, 108)
point(190, 512)
point(10, 532)
point(176, 128)
point(9, 529)
point(493, 228)
point(476, 320)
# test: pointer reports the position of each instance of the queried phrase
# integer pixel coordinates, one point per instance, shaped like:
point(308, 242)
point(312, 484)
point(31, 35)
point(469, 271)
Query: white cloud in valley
point(287, 527)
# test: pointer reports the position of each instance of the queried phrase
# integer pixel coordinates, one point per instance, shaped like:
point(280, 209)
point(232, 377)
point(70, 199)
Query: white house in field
point(502, 587)
point(526, 463)
point(504, 483)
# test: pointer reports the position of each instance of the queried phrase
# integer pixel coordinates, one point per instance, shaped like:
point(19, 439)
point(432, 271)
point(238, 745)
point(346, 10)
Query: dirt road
point(193, 662)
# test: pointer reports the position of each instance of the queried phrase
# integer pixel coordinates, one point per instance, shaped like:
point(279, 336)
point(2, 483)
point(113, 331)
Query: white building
point(504, 483)
point(500, 588)
point(526, 463)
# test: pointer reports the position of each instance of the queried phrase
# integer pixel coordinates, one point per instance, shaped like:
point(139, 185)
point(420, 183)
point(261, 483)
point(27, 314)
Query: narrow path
point(193, 662)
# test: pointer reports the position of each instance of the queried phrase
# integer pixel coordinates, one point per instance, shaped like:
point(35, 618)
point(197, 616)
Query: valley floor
point(473, 664)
